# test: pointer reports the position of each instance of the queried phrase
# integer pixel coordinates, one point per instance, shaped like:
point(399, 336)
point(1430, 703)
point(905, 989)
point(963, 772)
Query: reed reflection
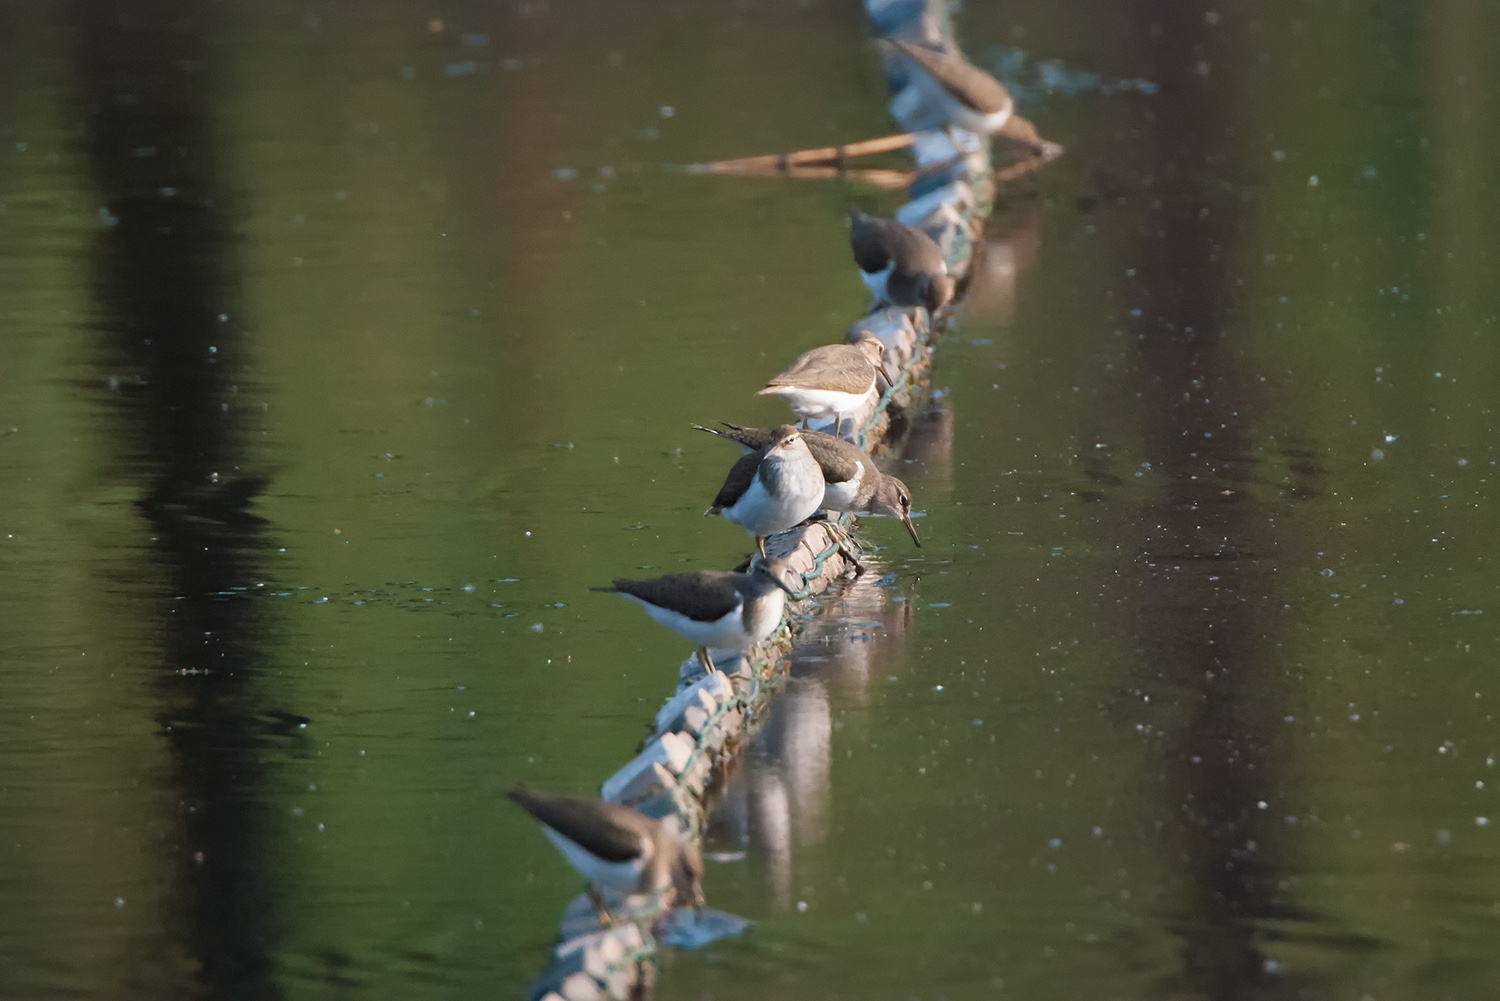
point(1206, 639)
point(165, 287)
point(779, 799)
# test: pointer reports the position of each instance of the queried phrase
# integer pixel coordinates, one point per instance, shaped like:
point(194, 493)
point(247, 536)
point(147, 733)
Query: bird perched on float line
point(966, 95)
point(771, 491)
point(619, 850)
point(716, 609)
point(902, 265)
point(834, 381)
point(851, 481)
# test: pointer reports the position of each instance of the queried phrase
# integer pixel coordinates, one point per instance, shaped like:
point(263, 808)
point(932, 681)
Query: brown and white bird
point(851, 481)
point(773, 490)
point(901, 264)
point(619, 850)
point(715, 609)
point(831, 382)
point(967, 96)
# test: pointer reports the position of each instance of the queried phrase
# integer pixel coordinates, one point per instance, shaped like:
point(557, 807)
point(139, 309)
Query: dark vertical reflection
point(1204, 574)
point(145, 72)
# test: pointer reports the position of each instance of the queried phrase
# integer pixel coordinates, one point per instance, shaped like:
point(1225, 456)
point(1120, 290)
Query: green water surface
point(343, 346)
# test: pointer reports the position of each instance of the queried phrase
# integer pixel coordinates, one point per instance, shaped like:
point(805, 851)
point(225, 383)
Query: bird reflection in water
point(1008, 247)
point(779, 798)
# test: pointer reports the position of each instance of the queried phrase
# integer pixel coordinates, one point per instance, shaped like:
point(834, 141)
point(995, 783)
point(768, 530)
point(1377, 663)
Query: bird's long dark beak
point(885, 370)
point(911, 529)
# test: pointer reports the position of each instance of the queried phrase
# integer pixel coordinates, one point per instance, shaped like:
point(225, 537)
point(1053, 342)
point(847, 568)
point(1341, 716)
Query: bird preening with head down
point(620, 851)
point(851, 481)
point(900, 264)
point(715, 609)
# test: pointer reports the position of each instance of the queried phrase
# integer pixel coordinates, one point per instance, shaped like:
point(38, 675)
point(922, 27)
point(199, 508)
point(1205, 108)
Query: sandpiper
point(717, 609)
point(617, 849)
point(967, 96)
point(901, 264)
point(773, 490)
point(835, 381)
point(851, 481)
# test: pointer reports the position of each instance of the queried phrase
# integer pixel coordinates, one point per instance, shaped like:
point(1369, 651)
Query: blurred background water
point(346, 344)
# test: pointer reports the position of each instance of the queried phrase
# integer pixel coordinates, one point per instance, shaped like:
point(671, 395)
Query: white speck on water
point(667, 111)
point(1271, 966)
point(1054, 843)
point(1370, 172)
point(119, 902)
point(470, 588)
point(536, 627)
point(1312, 182)
point(1376, 454)
point(1261, 805)
point(1278, 155)
point(565, 173)
point(1481, 821)
point(937, 688)
point(1444, 836)
point(1326, 572)
point(979, 722)
point(801, 907)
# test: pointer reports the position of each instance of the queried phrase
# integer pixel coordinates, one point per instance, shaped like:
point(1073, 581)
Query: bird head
point(892, 497)
point(777, 571)
point(785, 438)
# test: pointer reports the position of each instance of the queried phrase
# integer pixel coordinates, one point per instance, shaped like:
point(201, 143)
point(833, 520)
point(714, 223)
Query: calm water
point(345, 345)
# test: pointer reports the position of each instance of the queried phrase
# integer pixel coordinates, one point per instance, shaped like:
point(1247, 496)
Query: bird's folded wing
point(838, 459)
point(703, 596)
point(741, 475)
point(840, 368)
point(960, 78)
point(865, 240)
point(610, 831)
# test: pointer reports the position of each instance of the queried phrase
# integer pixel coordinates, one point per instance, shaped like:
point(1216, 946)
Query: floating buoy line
point(707, 721)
